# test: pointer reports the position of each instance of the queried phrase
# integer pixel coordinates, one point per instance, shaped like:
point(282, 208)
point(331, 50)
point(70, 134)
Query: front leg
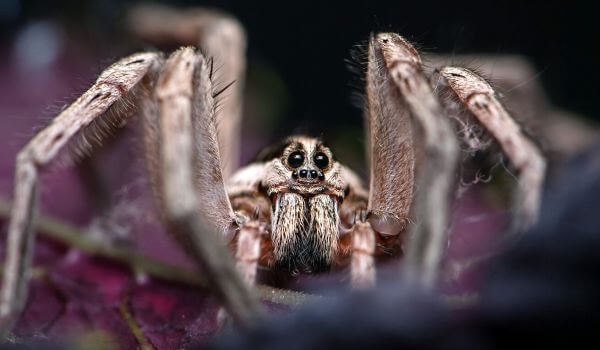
point(392, 162)
point(399, 93)
point(183, 88)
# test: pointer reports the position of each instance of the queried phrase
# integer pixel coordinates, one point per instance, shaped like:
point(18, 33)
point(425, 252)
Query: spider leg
point(395, 60)
point(391, 149)
point(391, 162)
point(248, 249)
point(362, 263)
point(253, 210)
point(362, 239)
point(222, 39)
point(104, 103)
point(558, 133)
point(191, 185)
point(480, 99)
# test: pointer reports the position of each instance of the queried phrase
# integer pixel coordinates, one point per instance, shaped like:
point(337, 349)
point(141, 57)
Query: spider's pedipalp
point(480, 99)
point(111, 88)
point(440, 150)
point(362, 264)
point(183, 92)
point(248, 249)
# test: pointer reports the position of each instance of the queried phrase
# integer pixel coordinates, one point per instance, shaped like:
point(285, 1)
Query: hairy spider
point(295, 207)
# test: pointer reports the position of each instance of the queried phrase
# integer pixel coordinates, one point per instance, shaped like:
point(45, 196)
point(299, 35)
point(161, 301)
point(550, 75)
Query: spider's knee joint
point(387, 225)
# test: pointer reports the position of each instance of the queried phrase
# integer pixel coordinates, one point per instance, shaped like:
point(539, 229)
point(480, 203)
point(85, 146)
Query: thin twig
point(140, 263)
point(134, 327)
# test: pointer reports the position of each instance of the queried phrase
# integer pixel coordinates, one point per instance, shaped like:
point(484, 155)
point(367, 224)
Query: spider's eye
point(295, 159)
point(321, 160)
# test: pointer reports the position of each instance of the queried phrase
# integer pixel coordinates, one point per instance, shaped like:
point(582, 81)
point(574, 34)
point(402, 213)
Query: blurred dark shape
point(544, 291)
point(546, 288)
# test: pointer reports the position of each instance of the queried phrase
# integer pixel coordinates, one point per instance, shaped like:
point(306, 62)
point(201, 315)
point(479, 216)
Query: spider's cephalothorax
point(303, 183)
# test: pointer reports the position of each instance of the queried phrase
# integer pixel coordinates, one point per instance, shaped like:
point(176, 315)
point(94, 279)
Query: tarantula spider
point(295, 207)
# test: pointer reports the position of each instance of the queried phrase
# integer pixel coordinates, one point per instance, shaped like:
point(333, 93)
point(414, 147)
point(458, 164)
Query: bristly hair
point(357, 65)
point(218, 83)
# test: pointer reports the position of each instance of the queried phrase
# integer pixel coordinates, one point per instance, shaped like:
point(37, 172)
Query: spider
point(295, 207)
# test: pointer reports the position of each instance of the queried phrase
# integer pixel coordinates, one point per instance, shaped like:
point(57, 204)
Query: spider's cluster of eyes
point(297, 158)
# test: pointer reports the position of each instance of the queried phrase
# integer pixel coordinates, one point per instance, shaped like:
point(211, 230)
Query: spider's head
point(305, 185)
point(303, 165)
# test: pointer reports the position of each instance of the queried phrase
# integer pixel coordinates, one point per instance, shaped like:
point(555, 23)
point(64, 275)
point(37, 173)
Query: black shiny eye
point(321, 160)
point(295, 159)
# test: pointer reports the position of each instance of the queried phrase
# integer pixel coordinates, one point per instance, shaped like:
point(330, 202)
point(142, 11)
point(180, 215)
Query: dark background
point(302, 46)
